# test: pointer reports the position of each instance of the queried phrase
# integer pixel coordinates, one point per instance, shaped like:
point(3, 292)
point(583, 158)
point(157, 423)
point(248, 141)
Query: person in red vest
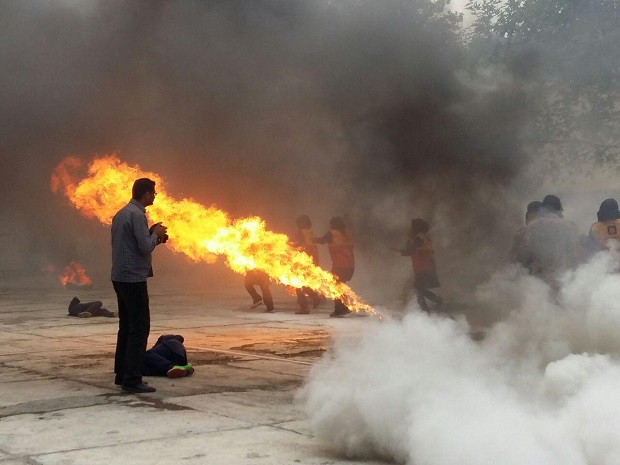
point(420, 248)
point(339, 241)
point(305, 240)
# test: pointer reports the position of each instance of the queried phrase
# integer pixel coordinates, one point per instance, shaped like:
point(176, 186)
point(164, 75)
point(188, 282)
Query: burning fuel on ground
point(73, 275)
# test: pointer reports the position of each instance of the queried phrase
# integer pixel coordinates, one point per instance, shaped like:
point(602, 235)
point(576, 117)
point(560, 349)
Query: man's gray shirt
point(131, 244)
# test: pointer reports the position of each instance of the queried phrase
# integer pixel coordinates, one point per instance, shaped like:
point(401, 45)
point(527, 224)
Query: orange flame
point(199, 232)
point(74, 273)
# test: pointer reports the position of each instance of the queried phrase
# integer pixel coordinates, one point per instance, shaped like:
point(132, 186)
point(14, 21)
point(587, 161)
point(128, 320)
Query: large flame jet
point(202, 233)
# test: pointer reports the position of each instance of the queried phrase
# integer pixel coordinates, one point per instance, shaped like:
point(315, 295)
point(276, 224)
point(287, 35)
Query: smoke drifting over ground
point(272, 108)
point(542, 387)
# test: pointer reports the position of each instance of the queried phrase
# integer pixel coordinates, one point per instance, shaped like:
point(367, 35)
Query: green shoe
point(179, 371)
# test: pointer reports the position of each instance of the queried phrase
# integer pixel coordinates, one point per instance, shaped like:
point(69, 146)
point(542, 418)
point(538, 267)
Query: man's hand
point(160, 231)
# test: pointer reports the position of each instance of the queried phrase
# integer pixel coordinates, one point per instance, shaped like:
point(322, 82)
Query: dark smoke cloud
point(273, 108)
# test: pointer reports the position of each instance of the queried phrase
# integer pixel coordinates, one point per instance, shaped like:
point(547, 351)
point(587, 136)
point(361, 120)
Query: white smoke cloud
point(543, 386)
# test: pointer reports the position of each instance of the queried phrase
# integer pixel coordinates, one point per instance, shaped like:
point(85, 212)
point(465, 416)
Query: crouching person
point(167, 357)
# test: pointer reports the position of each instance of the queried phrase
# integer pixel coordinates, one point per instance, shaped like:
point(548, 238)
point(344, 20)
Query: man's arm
point(325, 239)
point(146, 241)
point(523, 252)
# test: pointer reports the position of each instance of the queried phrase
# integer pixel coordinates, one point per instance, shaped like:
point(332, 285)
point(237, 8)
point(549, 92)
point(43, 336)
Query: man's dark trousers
point(134, 325)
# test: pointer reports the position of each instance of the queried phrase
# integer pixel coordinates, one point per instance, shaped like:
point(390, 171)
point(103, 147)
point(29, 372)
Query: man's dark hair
point(552, 202)
point(534, 206)
point(303, 222)
point(418, 225)
point(142, 186)
point(608, 210)
point(337, 223)
point(532, 210)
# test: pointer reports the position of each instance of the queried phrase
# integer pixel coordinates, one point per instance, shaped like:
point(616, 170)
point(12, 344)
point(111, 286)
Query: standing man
point(550, 244)
point(132, 244)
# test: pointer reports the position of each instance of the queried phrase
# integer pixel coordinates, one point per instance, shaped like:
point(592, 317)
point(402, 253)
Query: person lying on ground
point(89, 309)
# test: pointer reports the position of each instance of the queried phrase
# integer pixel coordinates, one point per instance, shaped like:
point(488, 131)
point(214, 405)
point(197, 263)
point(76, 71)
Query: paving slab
point(258, 446)
point(16, 375)
point(257, 406)
point(39, 389)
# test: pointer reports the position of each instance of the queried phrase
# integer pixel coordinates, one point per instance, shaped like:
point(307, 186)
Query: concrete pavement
point(59, 406)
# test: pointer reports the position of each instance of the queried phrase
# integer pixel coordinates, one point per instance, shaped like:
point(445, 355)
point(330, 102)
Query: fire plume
point(202, 233)
point(74, 273)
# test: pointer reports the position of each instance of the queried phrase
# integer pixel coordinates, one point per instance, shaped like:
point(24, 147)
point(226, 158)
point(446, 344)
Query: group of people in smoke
point(340, 245)
point(339, 241)
point(548, 244)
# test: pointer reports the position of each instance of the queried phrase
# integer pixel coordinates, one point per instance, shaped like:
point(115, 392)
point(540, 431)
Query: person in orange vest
point(607, 229)
point(340, 244)
point(305, 240)
point(420, 248)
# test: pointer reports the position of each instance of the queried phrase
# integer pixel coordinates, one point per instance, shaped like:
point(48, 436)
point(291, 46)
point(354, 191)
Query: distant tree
point(569, 50)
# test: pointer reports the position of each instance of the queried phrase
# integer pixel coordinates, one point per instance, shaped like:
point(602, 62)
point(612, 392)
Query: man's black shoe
point(139, 388)
point(118, 380)
point(336, 314)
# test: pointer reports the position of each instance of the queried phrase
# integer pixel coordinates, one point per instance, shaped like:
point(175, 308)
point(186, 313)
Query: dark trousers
point(343, 275)
point(301, 297)
point(423, 293)
point(94, 308)
point(252, 280)
point(134, 325)
point(163, 356)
